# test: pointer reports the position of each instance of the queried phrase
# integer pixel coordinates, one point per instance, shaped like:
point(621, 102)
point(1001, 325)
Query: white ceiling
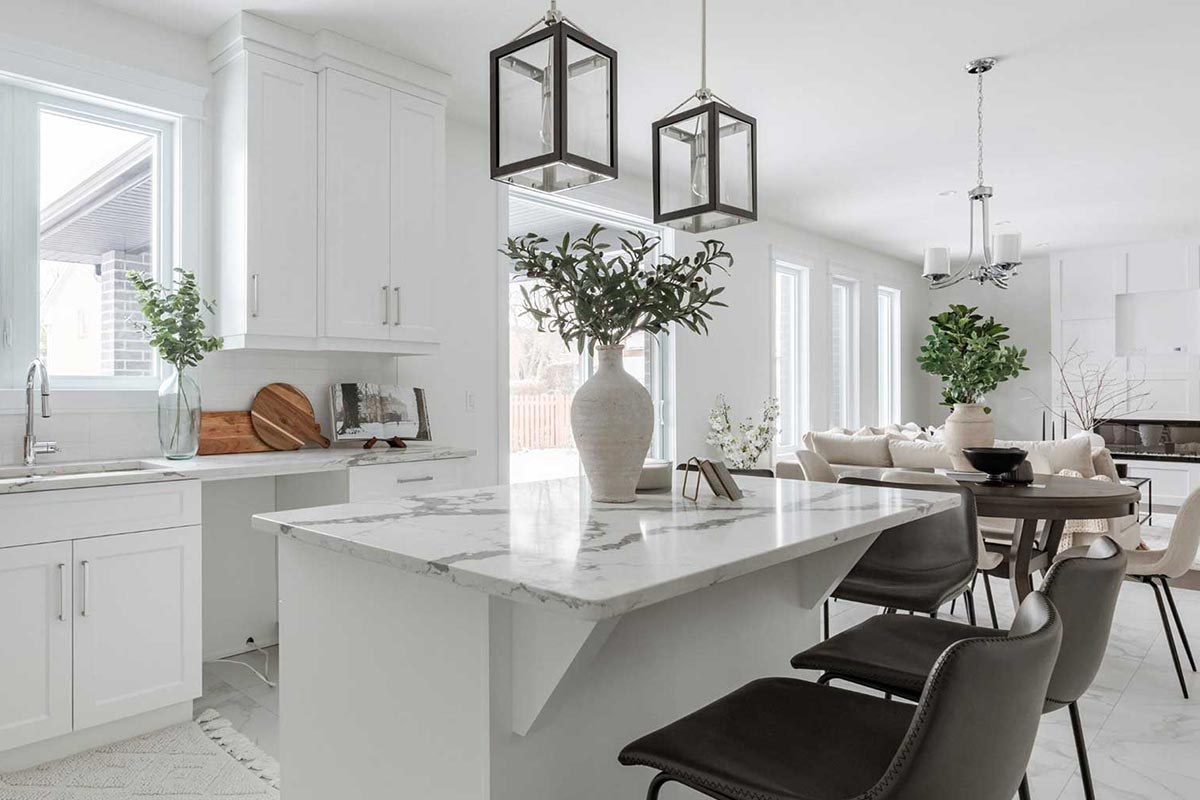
point(1093, 119)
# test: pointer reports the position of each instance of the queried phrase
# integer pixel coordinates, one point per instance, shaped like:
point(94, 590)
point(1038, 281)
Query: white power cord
point(264, 676)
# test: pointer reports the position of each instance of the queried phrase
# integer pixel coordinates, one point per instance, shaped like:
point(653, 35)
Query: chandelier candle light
point(1000, 258)
point(553, 107)
point(704, 159)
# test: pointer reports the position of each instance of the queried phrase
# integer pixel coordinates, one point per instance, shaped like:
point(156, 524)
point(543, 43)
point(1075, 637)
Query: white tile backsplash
point(96, 428)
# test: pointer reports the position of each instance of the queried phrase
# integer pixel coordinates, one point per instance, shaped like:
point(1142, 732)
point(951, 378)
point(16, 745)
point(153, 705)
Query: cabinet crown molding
point(247, 32)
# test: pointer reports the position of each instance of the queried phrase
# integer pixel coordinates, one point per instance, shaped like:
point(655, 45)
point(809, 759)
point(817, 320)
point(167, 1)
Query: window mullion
point(23, 200)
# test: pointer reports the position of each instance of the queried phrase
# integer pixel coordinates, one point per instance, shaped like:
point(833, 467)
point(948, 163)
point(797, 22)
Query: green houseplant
point(172, 321)
point(595, 295)
point(968, 353)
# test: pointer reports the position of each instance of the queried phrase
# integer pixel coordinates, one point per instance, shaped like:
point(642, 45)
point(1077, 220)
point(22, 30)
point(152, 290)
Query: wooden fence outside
point(539, 422)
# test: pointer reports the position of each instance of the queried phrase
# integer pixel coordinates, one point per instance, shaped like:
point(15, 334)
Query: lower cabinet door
point(137, 623)
point(35, 643)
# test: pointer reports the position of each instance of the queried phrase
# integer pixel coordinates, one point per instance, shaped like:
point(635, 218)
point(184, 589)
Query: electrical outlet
point(470, 402)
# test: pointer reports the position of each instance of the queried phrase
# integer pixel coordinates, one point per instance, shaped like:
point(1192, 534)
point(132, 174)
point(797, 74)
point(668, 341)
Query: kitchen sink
point(80, 474)
point(80, 469)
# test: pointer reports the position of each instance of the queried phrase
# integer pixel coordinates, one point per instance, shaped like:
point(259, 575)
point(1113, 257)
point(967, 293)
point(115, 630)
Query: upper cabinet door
point(359, 301)
point(418, 209)
point(281, 234)
point(137, 623)
point(35, 627)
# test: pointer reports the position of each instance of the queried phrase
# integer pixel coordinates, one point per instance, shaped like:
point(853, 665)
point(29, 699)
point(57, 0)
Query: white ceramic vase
point(612, 420)
point(967, 426)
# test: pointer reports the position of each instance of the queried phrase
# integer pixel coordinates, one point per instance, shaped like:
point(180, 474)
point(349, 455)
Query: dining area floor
point(1143, 736)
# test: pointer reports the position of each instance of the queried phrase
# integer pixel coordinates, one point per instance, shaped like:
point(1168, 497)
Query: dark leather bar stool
point(919, 566)
point(897, 654)
point(787, 739)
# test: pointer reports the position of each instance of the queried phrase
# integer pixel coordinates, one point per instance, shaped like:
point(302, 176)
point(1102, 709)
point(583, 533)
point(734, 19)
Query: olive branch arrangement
point(590, 294)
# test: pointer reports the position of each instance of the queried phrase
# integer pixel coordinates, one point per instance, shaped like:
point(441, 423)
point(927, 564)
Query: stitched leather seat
point(758, 742)
point(891, 652)
point(781, 739)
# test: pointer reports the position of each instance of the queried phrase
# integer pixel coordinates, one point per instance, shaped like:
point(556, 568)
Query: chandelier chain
point(979, 128)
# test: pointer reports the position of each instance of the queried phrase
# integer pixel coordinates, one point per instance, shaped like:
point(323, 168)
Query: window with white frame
point(89, 188)
point(543, 373)
point(843, 372)
point(888, 342)
point(790, 354)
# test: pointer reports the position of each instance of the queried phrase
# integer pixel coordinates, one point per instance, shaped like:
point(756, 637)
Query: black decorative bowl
point(995, 461)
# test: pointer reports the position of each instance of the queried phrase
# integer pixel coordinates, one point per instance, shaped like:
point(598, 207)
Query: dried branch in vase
point(1092, 392)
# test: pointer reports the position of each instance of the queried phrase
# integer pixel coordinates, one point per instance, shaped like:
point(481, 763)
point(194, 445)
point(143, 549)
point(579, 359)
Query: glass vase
point(179, 416)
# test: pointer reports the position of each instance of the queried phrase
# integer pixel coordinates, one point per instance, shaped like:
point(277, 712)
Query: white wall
point(1025, 309)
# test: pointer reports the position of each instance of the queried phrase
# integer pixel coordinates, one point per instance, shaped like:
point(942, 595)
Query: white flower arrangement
point(743, 447)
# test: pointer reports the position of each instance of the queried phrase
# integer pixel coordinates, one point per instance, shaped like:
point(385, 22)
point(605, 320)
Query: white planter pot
point(612, 420)
point(967, 426)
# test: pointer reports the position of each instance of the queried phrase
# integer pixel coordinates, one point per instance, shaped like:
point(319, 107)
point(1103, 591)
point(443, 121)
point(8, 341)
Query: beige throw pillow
point(1050, 458)
point(916, 454)
point(863, 451)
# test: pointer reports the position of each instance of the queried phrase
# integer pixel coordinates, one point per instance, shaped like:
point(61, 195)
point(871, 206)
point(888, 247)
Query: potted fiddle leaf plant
point(595, 296)
point(172, 321)
point(968, 353)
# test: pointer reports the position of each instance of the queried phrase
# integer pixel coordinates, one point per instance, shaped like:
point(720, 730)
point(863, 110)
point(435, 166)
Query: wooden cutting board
point(283, 418)
point(223, 432)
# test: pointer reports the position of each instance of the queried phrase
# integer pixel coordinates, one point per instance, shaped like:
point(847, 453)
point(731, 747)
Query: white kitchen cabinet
point(35, 629)
point(266, 200)
point(137, 623)
point(329, 192)
point(418, 203)
point(357, 269)
point(381, 481)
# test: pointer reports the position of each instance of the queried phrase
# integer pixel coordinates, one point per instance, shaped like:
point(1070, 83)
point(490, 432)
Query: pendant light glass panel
point(589, 75)
point(553, 120)
point(683, 163)
point(527, 102)
point(737, 163)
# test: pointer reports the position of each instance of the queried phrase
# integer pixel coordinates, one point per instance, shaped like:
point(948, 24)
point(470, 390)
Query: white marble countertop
point(545, 543)
point(46, 477)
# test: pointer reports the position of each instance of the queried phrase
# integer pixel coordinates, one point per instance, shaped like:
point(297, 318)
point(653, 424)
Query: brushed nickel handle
point(397, 290)
point(87, 587)
point(387, 309)
point(62, 592)
point(254, 295)
point(415, 480)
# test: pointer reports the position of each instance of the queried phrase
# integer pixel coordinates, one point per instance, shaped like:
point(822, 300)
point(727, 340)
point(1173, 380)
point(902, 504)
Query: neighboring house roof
point(111, 210)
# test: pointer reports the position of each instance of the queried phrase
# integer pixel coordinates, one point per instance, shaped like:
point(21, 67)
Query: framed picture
point(365, 410)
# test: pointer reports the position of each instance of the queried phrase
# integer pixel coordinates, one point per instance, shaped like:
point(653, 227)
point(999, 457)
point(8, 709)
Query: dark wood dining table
point(1048, 503)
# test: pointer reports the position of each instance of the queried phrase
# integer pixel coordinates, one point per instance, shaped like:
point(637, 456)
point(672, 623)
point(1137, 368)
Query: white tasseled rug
point(195, 760)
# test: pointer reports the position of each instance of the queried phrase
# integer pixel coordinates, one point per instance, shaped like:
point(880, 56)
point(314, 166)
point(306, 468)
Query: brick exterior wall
point(123, 349)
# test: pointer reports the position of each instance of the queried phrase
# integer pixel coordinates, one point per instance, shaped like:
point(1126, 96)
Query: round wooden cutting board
point(283, 418)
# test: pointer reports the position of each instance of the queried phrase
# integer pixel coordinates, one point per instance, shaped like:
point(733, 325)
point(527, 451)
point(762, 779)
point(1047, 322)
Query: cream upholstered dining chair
point(815, 468)
point(987, 561)
point(1165, 565)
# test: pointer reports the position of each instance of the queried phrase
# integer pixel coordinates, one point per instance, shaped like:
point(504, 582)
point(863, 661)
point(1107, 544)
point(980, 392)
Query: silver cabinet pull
point(62, 592)
point(87, 587)
point(254, 295)
point(387, 309)
point(415, 480)
point(397, 290)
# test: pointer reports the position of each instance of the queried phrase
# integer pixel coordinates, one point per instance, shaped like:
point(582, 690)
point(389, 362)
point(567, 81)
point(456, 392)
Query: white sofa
point(868, 454)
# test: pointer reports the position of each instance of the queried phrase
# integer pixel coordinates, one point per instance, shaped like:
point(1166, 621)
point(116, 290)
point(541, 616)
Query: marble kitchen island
point(504, 643)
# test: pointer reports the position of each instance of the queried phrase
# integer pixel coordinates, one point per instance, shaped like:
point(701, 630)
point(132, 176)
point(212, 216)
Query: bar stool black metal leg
point(656, 785)
point(1187, 648)
point(1023, 789)
point(825, 620)
point(1162, 612)
point(987, 587)
point(969, 602)
point(1085, 769)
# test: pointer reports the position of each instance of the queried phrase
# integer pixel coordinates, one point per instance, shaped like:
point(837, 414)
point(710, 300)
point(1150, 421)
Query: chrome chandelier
point(1000, 258)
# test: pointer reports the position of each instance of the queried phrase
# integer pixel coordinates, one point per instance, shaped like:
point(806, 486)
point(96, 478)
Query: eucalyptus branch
point(173, 321)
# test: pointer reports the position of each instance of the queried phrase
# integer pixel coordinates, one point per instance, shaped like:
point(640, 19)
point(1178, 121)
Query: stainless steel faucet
point(32, 446)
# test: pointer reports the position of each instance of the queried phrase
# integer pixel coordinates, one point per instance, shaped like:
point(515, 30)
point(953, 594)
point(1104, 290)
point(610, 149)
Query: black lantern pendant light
point(705, 159)
point(553, 107)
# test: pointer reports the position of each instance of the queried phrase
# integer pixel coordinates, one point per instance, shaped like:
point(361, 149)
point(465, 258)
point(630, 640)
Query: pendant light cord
point(704, 46)
point(979, 128)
